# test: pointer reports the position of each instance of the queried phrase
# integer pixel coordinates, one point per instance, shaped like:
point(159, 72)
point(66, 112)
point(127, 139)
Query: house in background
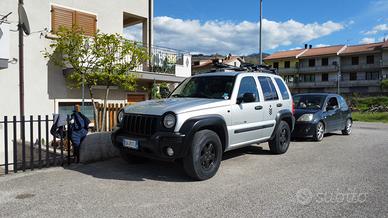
point(361, 68)
point(209, 63)
point(45, 88)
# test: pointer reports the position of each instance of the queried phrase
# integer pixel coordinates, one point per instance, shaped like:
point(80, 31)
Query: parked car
point(320, 113)
point(205, 116)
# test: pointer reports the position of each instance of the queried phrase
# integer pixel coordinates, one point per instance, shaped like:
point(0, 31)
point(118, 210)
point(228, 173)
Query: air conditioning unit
point(4, 45)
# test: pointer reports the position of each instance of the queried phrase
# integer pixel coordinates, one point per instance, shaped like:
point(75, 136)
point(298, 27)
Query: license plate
point(133, 144)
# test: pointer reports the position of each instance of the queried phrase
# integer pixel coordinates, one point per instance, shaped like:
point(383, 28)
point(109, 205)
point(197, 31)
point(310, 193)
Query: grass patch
point(380, 117)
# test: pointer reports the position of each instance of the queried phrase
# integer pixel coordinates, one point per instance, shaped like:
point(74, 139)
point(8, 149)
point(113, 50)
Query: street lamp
point(260, 39)
point(337, 67)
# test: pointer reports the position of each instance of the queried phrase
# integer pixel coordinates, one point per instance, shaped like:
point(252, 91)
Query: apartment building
point(45, 87)
point(356, 69)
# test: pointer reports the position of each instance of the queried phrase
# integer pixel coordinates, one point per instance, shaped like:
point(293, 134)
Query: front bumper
point(304, 129)
point(153, 147)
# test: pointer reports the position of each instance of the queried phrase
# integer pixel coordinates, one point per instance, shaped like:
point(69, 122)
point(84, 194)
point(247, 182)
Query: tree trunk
point(104, 111)
point(95, 112)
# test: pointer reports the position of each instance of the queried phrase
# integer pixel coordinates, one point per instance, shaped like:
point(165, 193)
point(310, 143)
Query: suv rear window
point(283, 89)
point(268, 88)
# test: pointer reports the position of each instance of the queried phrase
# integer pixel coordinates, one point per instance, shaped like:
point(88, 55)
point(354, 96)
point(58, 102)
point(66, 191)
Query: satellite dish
point(23, 20)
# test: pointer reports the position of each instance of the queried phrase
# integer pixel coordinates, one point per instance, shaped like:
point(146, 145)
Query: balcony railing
point(167, 61)
point(360, 67)
point(317, 69)
point(328, 84)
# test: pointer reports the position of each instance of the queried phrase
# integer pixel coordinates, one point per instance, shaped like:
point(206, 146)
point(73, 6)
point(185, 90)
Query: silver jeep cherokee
point(205, 116)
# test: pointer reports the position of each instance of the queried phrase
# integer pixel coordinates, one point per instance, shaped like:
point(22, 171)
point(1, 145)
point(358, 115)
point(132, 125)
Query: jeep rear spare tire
point(205, 155)
point(280, 143)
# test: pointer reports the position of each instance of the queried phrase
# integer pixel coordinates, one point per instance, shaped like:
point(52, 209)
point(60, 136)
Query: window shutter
point(61, 17)
point(87, 22)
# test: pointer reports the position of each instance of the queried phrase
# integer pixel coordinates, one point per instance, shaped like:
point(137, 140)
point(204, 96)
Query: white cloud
point(377, 29)
point(367, 40)
point(228, 37)
point(321, 45)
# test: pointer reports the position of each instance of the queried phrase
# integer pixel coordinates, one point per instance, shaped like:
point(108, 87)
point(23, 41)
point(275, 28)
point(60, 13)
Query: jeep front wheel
point(205, 155)
point(280, 143)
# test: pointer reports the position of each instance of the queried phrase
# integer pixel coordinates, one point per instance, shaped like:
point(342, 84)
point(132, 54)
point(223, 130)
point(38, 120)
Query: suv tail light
point(293, 106)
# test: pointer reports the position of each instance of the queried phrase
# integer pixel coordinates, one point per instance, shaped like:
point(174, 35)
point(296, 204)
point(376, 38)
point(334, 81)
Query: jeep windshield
point(213, 87)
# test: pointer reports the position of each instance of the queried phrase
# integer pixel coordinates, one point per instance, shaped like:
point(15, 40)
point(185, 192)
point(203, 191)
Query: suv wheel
point(130, 158)
point(348, 127)
point(205, 155)
point(281, 142)
point(319, 132)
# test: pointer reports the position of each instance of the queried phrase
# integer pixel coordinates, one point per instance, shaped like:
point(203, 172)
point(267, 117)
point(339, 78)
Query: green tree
point(103, 59)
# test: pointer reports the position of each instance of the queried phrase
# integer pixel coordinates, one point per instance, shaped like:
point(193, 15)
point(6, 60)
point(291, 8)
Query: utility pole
point(261, 27)
point(21, 64)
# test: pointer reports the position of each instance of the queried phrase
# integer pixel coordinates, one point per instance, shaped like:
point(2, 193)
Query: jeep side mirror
point(246, 98)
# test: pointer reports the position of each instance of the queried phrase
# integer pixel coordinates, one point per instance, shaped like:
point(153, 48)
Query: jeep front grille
point(140, 125)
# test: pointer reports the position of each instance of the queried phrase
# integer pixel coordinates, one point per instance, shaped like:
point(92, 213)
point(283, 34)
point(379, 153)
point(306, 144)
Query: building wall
point(44, 83)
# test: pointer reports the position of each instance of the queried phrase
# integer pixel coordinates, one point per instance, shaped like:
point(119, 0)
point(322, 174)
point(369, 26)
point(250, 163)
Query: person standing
point(78, 130)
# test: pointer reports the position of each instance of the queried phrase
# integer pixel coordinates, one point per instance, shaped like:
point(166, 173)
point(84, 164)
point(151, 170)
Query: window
point(370, 59)
point(248, 85)
point(353, 76)
point(354, 60)
point(287, 64)
point(311, 62)
point(333, 102)
point(325, 61)
point(307, 78)
point(309, 101)
point(268, 88)
point(67, 108)
point(343, 103)
point(325, 77)
point(276, 65)
point(63, 17)
point(289, 78)
point(372, 76)
point(283, 89)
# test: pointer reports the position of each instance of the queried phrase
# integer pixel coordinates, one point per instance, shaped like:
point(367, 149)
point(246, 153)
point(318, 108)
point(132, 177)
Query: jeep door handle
point(279, 105)
point(258, 108)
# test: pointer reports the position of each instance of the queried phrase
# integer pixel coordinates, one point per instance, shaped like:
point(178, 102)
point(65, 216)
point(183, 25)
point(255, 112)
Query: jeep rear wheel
point(281, 141)
point(205, 155)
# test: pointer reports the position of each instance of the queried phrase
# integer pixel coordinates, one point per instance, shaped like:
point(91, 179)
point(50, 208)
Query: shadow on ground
point(118, 169)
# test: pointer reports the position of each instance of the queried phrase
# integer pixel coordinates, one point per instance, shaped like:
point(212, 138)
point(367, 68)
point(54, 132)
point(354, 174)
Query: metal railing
point(29, 145)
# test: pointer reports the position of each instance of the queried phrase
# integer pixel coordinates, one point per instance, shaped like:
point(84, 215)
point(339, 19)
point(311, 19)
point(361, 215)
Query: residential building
point(204, 64)
point(45, 88)
point(357, 69)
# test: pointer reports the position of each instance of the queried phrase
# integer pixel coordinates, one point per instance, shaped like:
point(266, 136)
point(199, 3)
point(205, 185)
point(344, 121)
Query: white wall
point(4, 41)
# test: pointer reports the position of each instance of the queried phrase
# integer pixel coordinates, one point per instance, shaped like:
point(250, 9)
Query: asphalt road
point(341, 176)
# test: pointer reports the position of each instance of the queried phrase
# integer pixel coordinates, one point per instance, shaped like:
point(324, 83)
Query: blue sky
point(223, 26)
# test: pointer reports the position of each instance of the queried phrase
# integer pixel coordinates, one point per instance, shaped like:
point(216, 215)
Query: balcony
point(312, 84)
point(318, 69)
point(166, 65)
point(360, 83)
point(360, 67)
point(288, 70)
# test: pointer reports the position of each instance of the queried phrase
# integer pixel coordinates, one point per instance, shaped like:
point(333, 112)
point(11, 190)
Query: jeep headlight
point(120, 116)
point(169, 120)
point(306, 118)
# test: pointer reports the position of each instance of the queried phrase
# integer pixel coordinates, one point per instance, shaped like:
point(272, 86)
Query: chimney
point(310, 46)
point(305, 46)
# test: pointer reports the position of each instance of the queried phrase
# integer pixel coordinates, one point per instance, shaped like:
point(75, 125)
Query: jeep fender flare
point(285, 115)
point(215, 123)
